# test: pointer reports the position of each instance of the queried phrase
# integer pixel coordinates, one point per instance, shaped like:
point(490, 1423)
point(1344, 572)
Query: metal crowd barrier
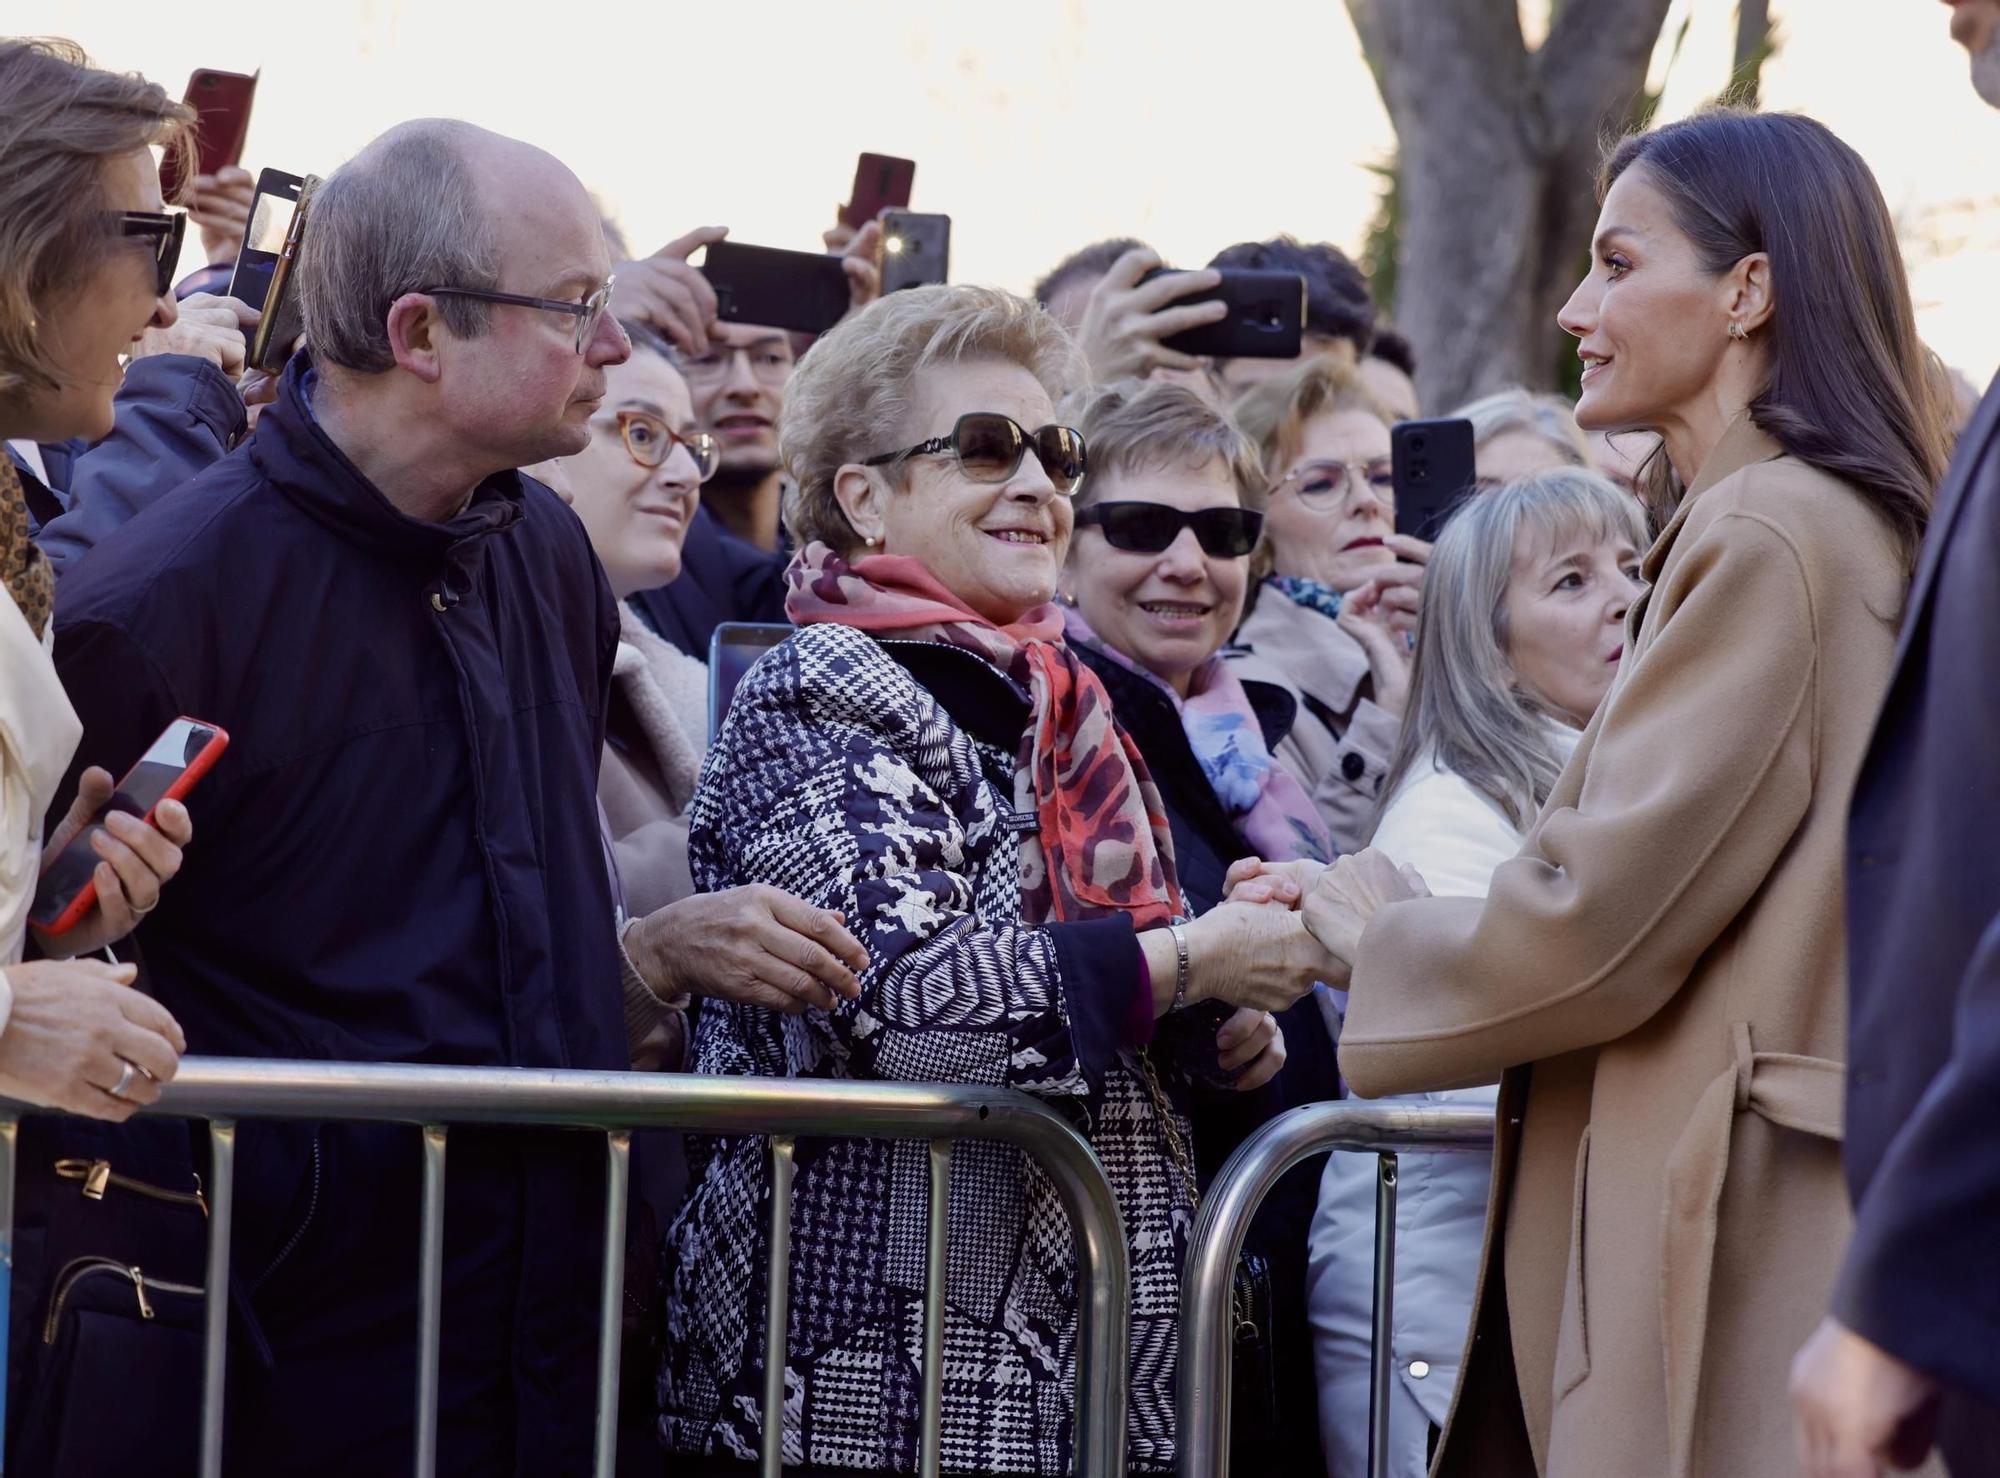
point(1207, 1325)
point(226, 1090)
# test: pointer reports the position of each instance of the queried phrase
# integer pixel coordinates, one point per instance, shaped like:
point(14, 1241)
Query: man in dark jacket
point(1911, 1352)
point(410, 645)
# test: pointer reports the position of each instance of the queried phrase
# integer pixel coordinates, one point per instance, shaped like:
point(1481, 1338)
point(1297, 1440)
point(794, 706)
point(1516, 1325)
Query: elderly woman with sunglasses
point(635, 488)
point(1331, 560)
point(928, 756)
point(1154, 586)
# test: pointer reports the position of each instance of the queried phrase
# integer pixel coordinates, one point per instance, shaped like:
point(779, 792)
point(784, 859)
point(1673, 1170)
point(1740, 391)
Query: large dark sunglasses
point(989, 448)
point(166, 227)
point(1151, 528)
point(587, 311)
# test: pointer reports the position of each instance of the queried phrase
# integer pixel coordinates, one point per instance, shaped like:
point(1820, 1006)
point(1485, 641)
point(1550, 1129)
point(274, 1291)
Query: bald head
point(433, 203)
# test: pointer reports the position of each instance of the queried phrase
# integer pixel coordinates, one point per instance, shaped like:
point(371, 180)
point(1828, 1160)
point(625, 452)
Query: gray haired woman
point(1521, 629)
point(1517, 433)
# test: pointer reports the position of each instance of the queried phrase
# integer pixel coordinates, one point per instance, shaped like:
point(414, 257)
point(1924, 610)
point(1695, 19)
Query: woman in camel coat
point(1660, 973)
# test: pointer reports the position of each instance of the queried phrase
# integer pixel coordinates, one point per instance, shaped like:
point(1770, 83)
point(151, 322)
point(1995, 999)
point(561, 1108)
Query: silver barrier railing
point(1206, 1323)
point(226, 1090)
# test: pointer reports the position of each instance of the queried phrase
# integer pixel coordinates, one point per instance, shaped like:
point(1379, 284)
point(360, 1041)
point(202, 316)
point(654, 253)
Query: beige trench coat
point(1662, 974)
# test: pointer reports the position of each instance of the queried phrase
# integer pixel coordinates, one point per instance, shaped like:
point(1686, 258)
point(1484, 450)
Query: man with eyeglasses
point(410, 645)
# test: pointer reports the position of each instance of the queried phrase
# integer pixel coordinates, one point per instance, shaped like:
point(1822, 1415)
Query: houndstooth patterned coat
point(843, 779)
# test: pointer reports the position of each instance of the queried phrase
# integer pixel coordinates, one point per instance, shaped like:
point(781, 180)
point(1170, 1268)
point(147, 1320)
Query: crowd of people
point(1120, 751)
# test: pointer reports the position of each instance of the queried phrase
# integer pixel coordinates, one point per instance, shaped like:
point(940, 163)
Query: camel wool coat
point(1660, 976)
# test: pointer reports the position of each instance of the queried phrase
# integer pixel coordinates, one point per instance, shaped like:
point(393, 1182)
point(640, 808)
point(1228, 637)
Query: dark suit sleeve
point(118, 691)
point(1923, 1273)
point(175, 416)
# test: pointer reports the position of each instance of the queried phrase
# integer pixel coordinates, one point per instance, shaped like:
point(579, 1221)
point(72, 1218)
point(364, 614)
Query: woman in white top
point(85, 267)
point(1521, 630)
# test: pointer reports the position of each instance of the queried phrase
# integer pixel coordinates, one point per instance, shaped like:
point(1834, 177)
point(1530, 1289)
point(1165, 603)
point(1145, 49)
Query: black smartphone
point(805, 291)
point(733, 651)
point(1433, 470)
point(263, 273)
point(916, 249)
point(881, 182)
point(1266, 318)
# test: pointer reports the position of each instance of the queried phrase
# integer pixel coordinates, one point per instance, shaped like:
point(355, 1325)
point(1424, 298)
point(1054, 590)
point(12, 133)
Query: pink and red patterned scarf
point(1103, 845)
point(1273, 814)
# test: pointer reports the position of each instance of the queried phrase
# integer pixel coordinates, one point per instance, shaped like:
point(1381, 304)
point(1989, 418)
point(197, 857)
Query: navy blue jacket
point(174, 416)
point(723, 578)
point(397, 860)
point(1923, 1103)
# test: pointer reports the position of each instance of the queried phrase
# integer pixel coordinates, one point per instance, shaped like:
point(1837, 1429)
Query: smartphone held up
point(263, 277)
point(221, 103)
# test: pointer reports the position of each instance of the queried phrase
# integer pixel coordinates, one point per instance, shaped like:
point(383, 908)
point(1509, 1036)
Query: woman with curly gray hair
point(927, 757)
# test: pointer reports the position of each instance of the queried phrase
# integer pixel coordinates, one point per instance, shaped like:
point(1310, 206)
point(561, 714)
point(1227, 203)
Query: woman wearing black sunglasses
point(75, 290)
point(928, 758)
point(1155, 585)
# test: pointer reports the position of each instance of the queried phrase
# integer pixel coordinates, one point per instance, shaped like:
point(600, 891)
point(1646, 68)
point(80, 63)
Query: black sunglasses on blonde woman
point(989, 446)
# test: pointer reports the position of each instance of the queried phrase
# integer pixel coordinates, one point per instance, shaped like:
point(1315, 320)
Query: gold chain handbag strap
point(1178, 1152)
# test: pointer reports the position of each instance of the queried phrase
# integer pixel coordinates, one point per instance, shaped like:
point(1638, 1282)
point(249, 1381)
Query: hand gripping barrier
point(1206, 1323)
point(225, 1090)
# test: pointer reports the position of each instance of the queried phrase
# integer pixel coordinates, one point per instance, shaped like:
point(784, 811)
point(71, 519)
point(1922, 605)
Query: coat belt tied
point(1800, 1093)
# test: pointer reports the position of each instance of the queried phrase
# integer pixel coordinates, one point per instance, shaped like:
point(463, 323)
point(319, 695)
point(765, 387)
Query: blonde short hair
point(1274, 415)
point(1141, 425)
point(850, 397)
point(1548, 417)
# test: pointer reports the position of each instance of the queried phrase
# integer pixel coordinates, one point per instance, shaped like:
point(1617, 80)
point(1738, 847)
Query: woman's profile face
point(1565, 607)
point(1651, 323)
point(637, 516)
point(1171, 611)
point(1329, 516)
point(116, 299)
point(998, 546)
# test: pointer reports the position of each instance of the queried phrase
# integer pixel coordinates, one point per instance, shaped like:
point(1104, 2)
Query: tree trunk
point(1498, 150)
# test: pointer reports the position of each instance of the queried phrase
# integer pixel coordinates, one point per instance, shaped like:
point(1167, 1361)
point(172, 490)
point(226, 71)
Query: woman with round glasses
point(1331, 560)
point(634, 487)
point(927, 756)
point(1154, 587)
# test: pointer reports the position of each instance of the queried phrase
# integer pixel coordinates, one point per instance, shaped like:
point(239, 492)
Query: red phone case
point(881, 182)
point(199, 766)
point(221, 102)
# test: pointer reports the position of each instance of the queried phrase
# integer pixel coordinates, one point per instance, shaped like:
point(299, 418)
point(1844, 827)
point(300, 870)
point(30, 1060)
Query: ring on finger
point(139, 912)
point(129, 1072)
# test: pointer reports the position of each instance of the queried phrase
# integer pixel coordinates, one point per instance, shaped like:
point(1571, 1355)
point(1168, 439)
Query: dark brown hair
point(1849, 392)
point(61, 119)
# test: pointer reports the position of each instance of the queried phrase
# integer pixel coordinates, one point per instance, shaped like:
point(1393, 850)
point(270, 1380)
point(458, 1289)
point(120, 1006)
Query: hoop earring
point(1738, 332)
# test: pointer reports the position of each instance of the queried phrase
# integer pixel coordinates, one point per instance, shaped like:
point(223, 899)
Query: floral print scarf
point(1102, 845)
point(1272, 811)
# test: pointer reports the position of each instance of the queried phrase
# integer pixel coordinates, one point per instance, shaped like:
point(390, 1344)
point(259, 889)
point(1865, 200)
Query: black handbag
point(1253, 1366)
point(105, 1343)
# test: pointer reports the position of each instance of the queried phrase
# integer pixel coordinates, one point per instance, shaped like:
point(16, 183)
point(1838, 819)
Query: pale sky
point(1038, 125)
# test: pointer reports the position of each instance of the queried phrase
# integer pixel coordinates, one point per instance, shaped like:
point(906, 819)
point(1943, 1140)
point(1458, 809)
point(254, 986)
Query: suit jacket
point(1667, 953)
point(1922, 1279)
